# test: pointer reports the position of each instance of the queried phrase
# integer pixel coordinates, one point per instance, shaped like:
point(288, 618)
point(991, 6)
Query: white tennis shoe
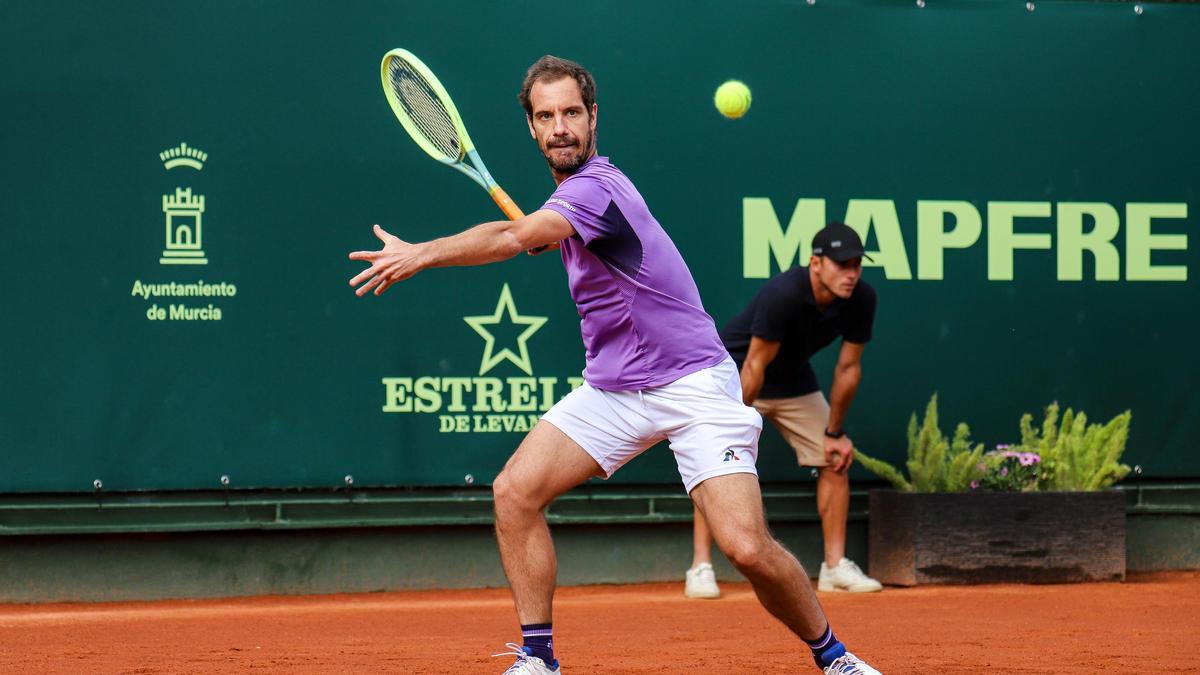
point(849, 664)
point(701, 582)
point(846, 576)
point(526, 663)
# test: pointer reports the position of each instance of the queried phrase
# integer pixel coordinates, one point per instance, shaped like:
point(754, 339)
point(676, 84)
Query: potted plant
point(1039, 511)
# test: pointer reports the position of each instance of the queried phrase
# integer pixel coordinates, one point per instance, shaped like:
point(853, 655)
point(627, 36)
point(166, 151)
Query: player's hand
point(839, 453)
point(396, 261)
point(543, 248)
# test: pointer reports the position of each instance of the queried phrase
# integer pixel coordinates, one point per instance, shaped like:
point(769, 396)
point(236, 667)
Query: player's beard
point(572, 163)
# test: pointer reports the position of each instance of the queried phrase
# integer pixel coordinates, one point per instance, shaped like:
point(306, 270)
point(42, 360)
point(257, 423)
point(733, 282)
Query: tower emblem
point(183, 211)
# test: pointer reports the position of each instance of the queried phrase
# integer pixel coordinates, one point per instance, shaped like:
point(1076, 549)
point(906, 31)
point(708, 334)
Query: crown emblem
point(182, 155)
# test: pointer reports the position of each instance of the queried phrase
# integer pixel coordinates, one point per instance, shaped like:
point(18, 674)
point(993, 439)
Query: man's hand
point(839, 453)
point(396, 261)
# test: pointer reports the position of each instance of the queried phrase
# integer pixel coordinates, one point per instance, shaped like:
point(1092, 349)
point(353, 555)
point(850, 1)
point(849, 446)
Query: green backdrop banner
point(182, 183)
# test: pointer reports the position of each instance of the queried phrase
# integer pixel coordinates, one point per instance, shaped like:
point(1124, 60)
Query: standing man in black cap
point(792, 317)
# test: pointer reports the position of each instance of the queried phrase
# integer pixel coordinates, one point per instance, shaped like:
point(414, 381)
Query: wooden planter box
point(990, 537)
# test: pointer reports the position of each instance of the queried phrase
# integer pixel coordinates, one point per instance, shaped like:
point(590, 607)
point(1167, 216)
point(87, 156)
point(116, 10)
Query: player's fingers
point(363, 276)
point(383, 287)
point(383, 234)
point(846, 459)
point(364, 255)
point(365, 288)
point(833, 459)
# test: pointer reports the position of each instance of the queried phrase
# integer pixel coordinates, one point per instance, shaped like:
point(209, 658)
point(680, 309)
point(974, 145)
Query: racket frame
point(477, 170)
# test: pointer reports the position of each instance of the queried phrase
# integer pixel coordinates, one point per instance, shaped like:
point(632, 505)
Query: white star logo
point(490, 360)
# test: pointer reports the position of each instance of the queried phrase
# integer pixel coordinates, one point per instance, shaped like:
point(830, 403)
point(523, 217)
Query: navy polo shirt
point(785, 311)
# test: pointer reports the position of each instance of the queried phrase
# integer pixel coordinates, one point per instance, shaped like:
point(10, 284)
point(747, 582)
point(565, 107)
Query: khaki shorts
point(802, 421)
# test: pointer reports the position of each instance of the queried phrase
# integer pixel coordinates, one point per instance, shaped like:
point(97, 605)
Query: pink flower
point(1029, 459)
point(974, 484)
point(1004, 471)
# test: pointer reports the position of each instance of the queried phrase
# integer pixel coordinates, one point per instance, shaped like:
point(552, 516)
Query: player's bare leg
point(546, 465)
point(701, 539)
point(732, 505)
point(700, 581)
point(833, 503)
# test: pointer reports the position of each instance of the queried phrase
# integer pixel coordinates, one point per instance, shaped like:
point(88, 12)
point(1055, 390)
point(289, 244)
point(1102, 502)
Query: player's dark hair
point(551, 69)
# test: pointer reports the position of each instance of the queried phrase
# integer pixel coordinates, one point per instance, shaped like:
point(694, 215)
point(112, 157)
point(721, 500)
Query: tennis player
point(655, 370)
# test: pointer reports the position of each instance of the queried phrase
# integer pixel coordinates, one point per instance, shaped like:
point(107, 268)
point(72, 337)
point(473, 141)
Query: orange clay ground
point(1149, 624)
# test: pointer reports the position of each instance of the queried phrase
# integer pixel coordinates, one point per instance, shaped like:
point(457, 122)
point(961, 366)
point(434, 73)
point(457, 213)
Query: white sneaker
point(846, 576)
point(849, 664)
point(701, 582)
point(528, 664)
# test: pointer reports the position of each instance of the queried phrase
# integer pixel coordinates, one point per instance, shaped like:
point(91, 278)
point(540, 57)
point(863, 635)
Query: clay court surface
point(1149, 624)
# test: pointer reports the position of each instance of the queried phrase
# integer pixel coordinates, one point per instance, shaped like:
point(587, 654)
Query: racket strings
point(424, 108)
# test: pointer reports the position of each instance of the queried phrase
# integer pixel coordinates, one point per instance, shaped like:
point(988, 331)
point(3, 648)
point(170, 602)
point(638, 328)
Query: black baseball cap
point(838, 241)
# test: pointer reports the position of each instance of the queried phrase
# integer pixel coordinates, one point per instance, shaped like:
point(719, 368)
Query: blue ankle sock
point(539, 641)
point(826, 649)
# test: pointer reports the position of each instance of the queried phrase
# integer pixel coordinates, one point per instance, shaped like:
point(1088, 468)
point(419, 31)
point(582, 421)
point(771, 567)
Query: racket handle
point(510, 209)
point(506, 204)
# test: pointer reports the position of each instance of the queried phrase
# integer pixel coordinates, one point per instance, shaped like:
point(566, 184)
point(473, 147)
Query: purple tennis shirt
point(642, 321)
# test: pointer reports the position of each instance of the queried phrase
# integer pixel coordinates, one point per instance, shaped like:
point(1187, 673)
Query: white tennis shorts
point(710, 431)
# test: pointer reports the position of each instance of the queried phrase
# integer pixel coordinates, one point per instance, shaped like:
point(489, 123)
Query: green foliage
point(935, 463)
point(1066, 454)
point(883, 470)
point(1076, 455)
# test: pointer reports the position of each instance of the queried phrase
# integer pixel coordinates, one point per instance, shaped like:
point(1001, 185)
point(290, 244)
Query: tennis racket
point(429, 116)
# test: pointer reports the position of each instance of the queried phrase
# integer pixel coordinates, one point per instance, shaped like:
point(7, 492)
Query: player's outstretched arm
point(482, 244)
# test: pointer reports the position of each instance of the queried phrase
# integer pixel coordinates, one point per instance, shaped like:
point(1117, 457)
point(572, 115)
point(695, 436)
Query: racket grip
point(506, 204)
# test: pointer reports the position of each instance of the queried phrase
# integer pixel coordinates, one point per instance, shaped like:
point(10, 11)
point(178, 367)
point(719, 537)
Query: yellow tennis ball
point(732, 99)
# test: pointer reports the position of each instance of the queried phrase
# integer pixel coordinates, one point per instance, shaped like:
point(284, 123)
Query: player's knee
point(503, 493)
point(509, 497)
point(748, 552)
